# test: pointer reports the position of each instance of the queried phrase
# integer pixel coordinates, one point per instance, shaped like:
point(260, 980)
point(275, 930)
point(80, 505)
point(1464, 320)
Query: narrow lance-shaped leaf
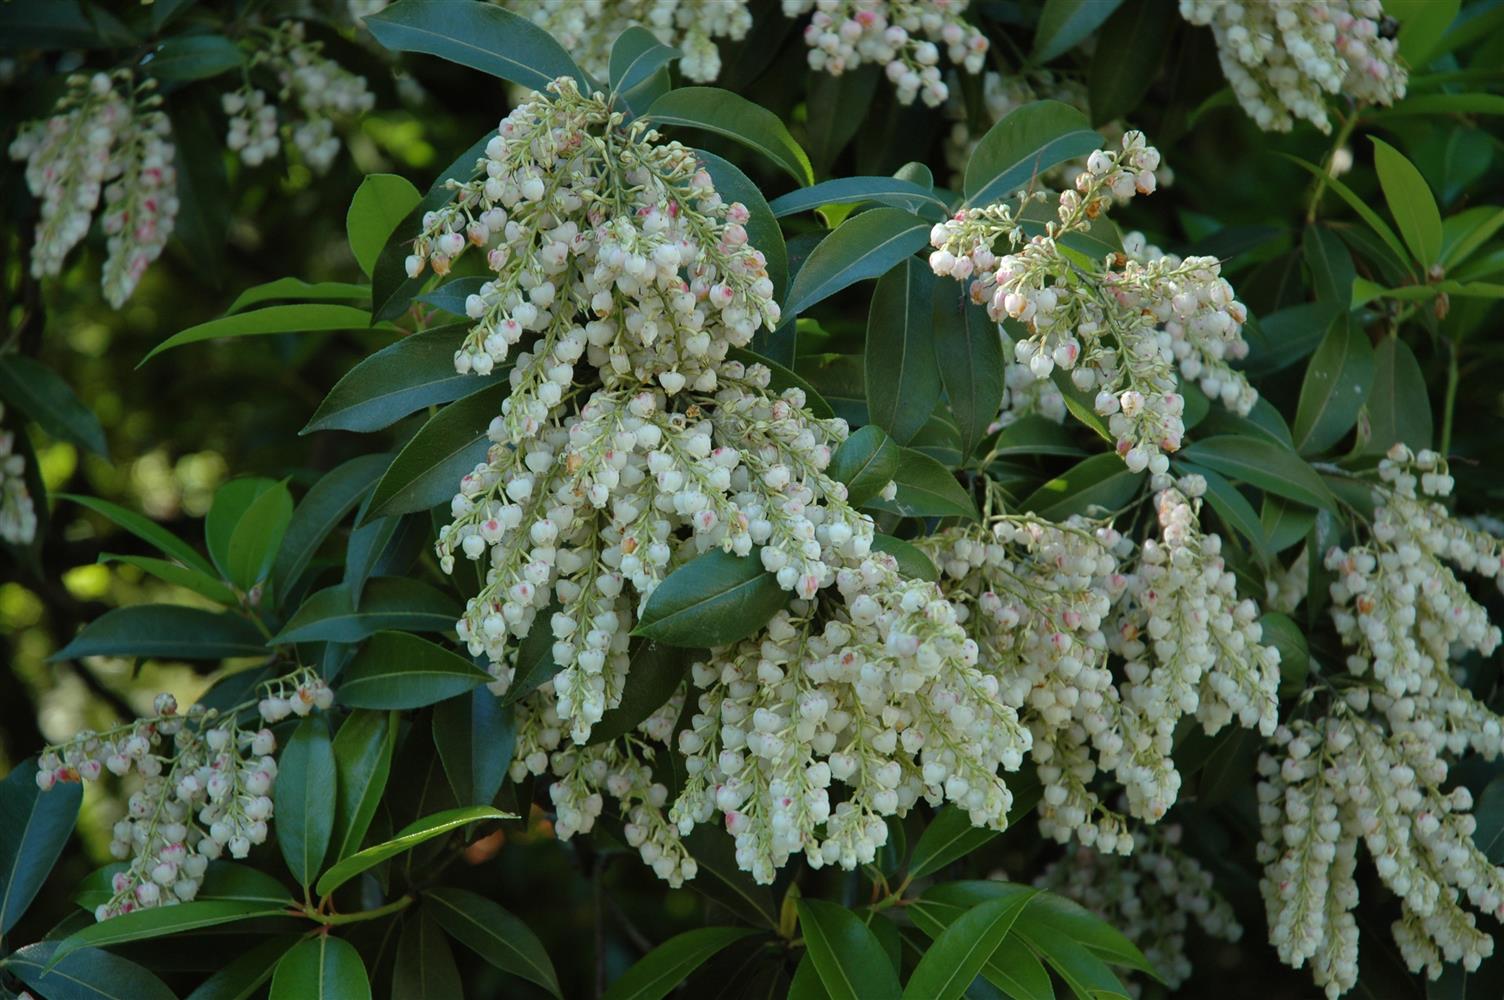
point(398, 670)
point(362, 763)
point(712, 600)
point(302, 318)
point(306, 785)
point(864, 246)
point(406, 839)
point(1410, 202)
point(167, 631)
point(969, 353)
point(42, 395)
point(1025, 143)
point(479, 35)
point(658, 972)
point(34, 829)
point(847, 956)
point(497, 936)
point(1335, 387)
point(902, 376)
point(736, 118)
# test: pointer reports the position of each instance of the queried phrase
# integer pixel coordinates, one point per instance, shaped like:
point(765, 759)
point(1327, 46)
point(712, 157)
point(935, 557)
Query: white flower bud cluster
point(1189, 646)
point(107, 137)
point(313, 88)
point(206, 789)
point(1284, 57)
point(1036, 597)
point(588, 28)
point(876, 687)
point(1286, 587)
point(1153, 896)
point(1342, 779)
point(1403, 613)
point(1122, 330)
point(1023, 395)
point(905, 37)
point(18, 512)
point(629, 442)
point(1002, 95)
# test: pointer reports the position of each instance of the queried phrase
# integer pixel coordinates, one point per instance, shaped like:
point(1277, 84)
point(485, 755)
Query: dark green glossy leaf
point(479, 35)
point(146, 530)
point(1335, 387)
point(362, 763)
point(322, 967)
point(1410, 202)
point(1063, 24)
point(950, 835)
point(639, 67)
point(1122, 72)
point(762, 227)
point(926, 489)
point(474, 734)
point(866, 462)
point(847, 956)
point(325, 504)
point(429, 468)
point(712, 600)
point(494, 934)
point(964, 948)
point(398, 670)
point(1025, 143)
point(388, 602)
point(183, 58)
point(1101, 481)
point(88, 974)
point(912, 562)
point(42, 395)
point(784, 378)
point(655, 673)
point(306, 784)
point(902, 374)
point(969, 352)
point(313, 317)
point(161, 921)
point(868, 245)
point(379, 206)
point(1331, 266)
point(1264, 464)
point(737, 119)
point(658, 972)
point(165, 631)
point(244, 977)
point(34, 829)
point(297, 288)
point(425, 968)
point(406, 839)
point(178, 576)
point(891, 191)
point(1284, 635)
point(1398, 406)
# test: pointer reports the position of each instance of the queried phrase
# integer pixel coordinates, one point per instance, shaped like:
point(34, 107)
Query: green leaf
point(297, 288)
point(429, 468)
point(406, 839)
point(784, 378)
point(868, 245)
point(362, 763)
point(1335, 387)
point(762, 227)
point(38, 392)
point(1231, 506)
point(1122, 72)
point(950, 835)
point(926, 489)
point(165, 631)
point(653, 675)
point(387, 602)
point(183, 58)
point(1064, 24)
point(34, 829)
point(1278, 340)
point(178, 576)
point(161, 921)
point(494, 934)
point(89, 974)
point(145, 529)
point(962, 949)
point(243, 977)
point(912, 562)
point(736, 118)
point(902, 376)
point(535, 660)
point(637, 57)
point(1024, 144)
point(1262, 463)
point(1035, 434)
point(866, 462)
point(1466, 231)
point(325, 504)
point(380, 204)
point(835, 109)
point(306, 785)
point(257, 536)
point(1284, 523)
point(969, 353)
point(1332, 271)
point(232, 503)
point(1488, 835)
point(1101, 481)
point(712, 600)
point(474, 734)
point(479, 35)
point(398, 670)
point(658, 972)
point(322, 967)
point(1410, 202)
point(425, 968)
point(1422, 26)
point(1398, 408)
point(891, 191)
point(847, 955)
point(1283, 634)
point(310, 317)
point(1013, 968)
point(1366, 213)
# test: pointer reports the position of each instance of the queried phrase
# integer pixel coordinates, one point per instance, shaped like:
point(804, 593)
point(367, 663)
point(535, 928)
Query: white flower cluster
point(905, 37)
point(1284, 57)
point(1048, 604)
point(106, 139)
point(1372, 766)
point(1342, 779)
point(1123, 328)
point(588, 28)
point(18, 512)
point(1154, 897)
point(1025, 395)
point(206, 789)
point(316, 89)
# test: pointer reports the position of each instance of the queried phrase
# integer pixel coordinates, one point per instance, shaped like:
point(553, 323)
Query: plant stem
point(333, 919)
point(1451, 399)
point(1343, 134)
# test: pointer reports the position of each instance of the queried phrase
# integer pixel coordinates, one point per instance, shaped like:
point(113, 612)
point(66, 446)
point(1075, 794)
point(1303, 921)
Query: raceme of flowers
point(588, 28)
point(905, 37)
point(1284, 57)
point(206, 787)
point(1371, 766)
point(106, 140)
point(313, 91)
point(18, 512)
point(1122, 328)
point(1048, 605)
point(1153, 896)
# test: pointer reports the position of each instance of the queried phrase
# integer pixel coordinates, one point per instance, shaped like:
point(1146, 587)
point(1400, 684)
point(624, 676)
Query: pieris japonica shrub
point(817, 536)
